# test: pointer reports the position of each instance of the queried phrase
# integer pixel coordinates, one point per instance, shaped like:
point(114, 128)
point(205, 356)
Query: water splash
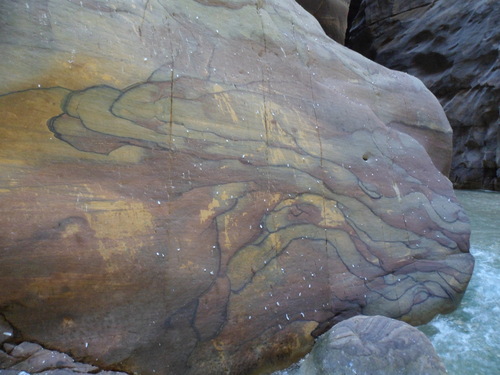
point(467, 339)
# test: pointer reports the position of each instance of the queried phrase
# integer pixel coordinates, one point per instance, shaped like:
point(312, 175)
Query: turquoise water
point(468, 340)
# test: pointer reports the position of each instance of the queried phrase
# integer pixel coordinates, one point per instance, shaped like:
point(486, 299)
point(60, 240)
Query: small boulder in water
point(372, 345)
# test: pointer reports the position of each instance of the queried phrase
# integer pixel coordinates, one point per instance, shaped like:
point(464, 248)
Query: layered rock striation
point(203, 187)
point(374, 345)
point(453, 48)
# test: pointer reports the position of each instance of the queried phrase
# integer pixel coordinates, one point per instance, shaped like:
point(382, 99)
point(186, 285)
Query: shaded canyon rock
point(372, 345)
point(453, 48)
point(6, 331)
point(331, 14)
point(203, 187)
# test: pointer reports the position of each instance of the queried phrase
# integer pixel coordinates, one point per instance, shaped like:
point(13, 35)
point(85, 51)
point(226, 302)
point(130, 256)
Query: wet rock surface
point(30, 358)
point(453, 48)
point(372, 345)
point(184, 192)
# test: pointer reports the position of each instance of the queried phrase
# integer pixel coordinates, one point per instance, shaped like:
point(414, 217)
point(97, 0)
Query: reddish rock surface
point(453, 48)
point(202, 187)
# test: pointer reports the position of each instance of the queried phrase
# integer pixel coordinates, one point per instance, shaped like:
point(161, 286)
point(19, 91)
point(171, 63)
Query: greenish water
point(468, 340)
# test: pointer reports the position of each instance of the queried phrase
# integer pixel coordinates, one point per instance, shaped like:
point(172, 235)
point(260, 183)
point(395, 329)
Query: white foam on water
point(467, 340)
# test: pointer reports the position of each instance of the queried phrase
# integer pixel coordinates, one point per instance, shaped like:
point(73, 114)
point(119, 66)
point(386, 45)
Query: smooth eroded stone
point(203, 187)
point(372, 345)
point(453, 48)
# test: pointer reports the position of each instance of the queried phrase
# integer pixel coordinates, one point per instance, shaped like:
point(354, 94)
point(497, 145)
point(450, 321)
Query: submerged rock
point(372, 345)
point(203, 187)
point(453, 48)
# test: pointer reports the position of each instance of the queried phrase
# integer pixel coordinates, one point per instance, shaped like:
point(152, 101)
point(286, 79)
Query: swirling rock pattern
point(202, 187)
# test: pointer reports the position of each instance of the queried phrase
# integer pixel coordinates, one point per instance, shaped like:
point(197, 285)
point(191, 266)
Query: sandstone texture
point(331, 14)
point(204, 186)
point(30, 358)
point(453, 48)
point(372, 345)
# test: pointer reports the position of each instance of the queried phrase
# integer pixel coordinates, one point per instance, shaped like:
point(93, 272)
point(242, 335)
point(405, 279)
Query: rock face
point(31, 358)
point(453, 47)
point(6, 331)
point(372, 345)
point(331, 14)
point(202, 187)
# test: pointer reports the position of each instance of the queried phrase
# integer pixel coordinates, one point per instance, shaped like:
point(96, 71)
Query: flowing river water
point(467, 340)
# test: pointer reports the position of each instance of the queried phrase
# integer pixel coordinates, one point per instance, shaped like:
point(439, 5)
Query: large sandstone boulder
point(453, 47)
point(372, 345)
point(202, 187)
